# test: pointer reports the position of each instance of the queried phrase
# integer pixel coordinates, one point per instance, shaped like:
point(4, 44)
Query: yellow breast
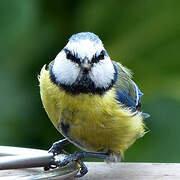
point(92, 122)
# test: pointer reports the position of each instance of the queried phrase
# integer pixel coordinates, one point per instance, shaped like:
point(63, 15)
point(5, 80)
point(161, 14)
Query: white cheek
point(102, 73)
point(65, 71)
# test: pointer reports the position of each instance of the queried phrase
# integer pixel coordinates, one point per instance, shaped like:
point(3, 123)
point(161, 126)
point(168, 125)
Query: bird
point(92, 101)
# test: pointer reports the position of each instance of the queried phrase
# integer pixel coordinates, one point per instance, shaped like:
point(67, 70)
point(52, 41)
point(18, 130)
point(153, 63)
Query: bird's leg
point(77, 156)
point(57, 146)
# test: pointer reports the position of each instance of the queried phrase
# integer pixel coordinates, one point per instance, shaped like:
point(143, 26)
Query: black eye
point(96, 58)
point(71, 57)
point(101, 55)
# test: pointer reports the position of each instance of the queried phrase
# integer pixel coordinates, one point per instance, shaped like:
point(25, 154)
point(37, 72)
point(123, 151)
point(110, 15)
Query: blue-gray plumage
point(127, 92)
point(126, 99)
point(85, 35)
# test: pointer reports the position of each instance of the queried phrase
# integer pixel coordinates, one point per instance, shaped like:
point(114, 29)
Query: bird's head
point(83, 66)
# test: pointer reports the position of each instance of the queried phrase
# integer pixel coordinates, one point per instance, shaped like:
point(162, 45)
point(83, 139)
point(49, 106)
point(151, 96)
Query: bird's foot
point(57, 146)
point(76, 157)
point(72, 157)
point(56, 149)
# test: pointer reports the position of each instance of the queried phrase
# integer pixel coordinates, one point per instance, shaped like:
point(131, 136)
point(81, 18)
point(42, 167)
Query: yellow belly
point(92, 122)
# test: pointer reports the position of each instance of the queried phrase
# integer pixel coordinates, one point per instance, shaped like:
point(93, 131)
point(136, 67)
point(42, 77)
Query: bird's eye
point(71, 57)
point(101, 55)
point(96, 58)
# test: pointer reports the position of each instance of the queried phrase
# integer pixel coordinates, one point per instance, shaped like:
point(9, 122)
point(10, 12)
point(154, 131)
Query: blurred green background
point(143, 35)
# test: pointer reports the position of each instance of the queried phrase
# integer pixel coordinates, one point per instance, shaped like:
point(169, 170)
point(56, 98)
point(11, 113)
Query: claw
point(46, 168)
point(51, 166)
point(83, 169)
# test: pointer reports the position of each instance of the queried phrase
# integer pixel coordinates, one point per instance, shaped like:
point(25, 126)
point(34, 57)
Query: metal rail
point(16, 158)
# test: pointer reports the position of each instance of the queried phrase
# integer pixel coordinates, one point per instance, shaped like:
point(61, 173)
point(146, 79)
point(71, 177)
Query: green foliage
point(142, 35)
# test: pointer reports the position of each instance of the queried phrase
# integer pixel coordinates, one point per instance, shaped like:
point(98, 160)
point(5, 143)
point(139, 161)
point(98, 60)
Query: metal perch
point(16, 158)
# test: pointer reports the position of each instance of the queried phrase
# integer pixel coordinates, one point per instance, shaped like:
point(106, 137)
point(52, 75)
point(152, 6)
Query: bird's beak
point(85, 65)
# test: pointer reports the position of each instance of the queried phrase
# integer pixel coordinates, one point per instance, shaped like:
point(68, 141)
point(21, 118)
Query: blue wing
point(127, 92)
point(128, 100)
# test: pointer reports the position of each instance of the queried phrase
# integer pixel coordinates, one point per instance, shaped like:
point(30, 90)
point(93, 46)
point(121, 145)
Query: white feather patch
point(102, 73)
point(64, 70)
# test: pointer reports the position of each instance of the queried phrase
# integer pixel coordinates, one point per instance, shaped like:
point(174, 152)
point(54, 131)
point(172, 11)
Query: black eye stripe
point(96, 58)
point(71, 56)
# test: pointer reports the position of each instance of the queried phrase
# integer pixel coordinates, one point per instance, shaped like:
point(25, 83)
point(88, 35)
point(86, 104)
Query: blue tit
point(91, 100)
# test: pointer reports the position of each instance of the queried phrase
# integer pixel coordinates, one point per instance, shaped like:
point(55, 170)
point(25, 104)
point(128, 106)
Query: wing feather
point(127, 91)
